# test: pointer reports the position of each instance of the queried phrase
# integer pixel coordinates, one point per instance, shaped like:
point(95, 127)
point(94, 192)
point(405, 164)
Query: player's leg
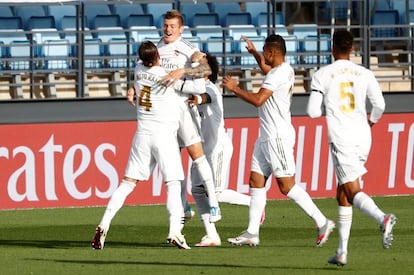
point(344, 228)
point(220, 160)
point(115, 203)
point(281, 154)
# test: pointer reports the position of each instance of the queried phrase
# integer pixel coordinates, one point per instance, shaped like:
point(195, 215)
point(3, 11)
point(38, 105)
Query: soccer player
point(175, 54)
point(273, 150)
point(343, 87)
point(155, 142)
point(217, 146)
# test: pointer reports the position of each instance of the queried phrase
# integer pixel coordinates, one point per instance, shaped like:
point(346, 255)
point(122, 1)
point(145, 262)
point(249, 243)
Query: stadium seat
point(59, 11)
point(106, 33)
point(141, 33)
point(27, 11)
point(91, 11)
point(256, 8)
point(292, 49)
point(93, 54)
point(117, 53)
point(303, 30)
point(6, 11)
point(262, 20)
point(202, 19)
point(11, 23)
point(158, 10)
point(41, 22)
point(222, 49)
point(126, 10)
point(19, 51)
point(189, 9)
point(204, 32)
point(56, 54)
point(236, 31)
point(237, 18)
point(223, 8)
point(384, 23)
point(311, 53)
point(106, 20)
point(139, 20)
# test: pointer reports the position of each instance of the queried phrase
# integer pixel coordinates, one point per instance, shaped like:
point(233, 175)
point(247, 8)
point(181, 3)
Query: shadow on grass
point(186, 264)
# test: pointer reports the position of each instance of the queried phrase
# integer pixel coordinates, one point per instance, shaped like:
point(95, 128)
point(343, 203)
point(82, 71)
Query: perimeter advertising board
point(80, 164)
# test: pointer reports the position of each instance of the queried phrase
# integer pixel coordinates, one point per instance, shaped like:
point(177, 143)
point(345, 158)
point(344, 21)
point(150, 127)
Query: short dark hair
point(214, 66)
point(343, 41)
point(277, 42)
point(148, 53)
point(171, 14)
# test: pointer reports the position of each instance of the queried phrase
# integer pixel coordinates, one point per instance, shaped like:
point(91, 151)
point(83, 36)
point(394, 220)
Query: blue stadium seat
point(236, 31)
point(19, 51)
point(41, 22)
point(91, 11)
point(292, 49)
point(106, 33)
point(139, 20)
point(56, 54)
point(27, 11)
point(117, 53)
point(106, 20)
point(208, 19)
point(384, 23)
point(11, 23)
point(125, 10)
point(215, 45)
point(93, 54)
point(158, 10)
point(6, 11)
point(189, 9)
point(141, 33)
point(262, 20)
point(237, 18)
point(204, 32)
point(256, 8)
point(303, 30)
point(311, 53)
point(59, 11)
point(223, 8)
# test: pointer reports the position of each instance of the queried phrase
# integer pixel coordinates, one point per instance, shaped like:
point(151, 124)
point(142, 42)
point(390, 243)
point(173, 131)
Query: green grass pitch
point(57, 241)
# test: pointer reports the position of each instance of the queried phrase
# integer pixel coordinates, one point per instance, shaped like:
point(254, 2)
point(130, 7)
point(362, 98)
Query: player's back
point(157, 103)
point(345, 86)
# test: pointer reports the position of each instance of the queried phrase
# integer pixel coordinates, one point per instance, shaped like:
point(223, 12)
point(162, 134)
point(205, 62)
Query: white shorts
point(149, 150)
point(273, 156)
point(349, 161)
point(220, 161)
point(188, 133)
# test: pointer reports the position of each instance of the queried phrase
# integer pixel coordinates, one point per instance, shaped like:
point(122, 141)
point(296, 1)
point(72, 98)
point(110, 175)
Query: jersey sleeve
point(374, 94)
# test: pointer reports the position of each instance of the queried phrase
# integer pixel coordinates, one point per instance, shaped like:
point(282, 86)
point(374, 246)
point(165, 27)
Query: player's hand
point(229, 83)
point(249, 44)
point(131, 96)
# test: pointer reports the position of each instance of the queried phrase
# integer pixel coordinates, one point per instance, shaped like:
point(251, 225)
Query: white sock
point(174, 206)
point(206, 175)
point(116, 202)
point(257, 206)
point(210, 227)
point(304, 201)
point(233, 197)
point(344, 228)
point(367, 205)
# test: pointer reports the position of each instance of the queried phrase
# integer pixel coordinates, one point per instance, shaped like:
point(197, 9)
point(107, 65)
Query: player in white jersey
point(175, 54)
point(343, 87)
point(273, 149)
point(155, 142)
point(218, 148)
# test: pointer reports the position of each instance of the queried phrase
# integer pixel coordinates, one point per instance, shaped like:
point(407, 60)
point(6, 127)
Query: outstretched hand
point(173, 76)
point(229, 83)
point(249, 44)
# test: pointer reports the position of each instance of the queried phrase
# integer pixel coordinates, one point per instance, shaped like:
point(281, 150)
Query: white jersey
point(212, 120)
point(345, 87)
point(274, 114)
point(157, 104)
point(176, 55)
